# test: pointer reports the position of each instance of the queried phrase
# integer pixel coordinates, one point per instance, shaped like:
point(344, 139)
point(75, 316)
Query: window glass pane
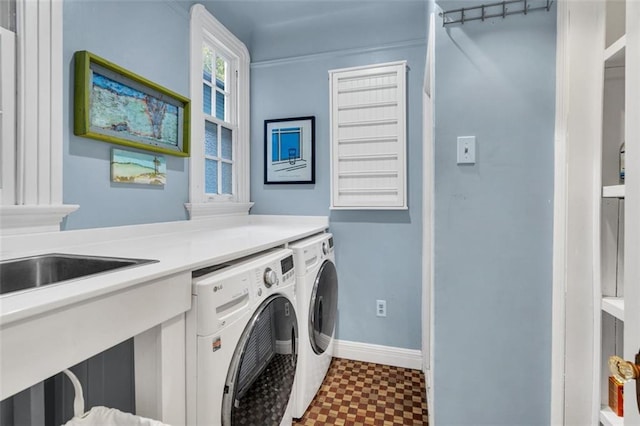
point(220, 105)
point(227, 178)
point(207, 63)
point(210, 176)
point(221, 73)
point(206, 98)
point(227, 144)
point(211, 139)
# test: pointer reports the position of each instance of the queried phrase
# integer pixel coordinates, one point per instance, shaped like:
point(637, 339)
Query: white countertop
point(74, 320)
point(178, 247)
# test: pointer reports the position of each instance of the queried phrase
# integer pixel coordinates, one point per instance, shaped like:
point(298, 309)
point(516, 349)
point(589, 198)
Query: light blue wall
point(493, 221)
point(494, 80)
point(149, 39)
point(378, 253)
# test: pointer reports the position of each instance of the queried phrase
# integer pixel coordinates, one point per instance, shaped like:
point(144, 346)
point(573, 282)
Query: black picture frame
point(290, 150)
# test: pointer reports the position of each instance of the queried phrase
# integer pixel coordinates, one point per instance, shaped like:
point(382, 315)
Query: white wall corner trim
point(386, 355)
point(559, 220)
point(428, 193)
point(35, 203)
point(205, 210)
point(33, 219)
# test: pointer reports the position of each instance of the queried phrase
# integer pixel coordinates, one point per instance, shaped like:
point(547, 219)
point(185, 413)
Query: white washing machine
point(242, 338)
point(317, 306)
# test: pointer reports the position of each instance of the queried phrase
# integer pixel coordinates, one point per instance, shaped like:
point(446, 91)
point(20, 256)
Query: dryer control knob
point(325, 248)
point(270, 277)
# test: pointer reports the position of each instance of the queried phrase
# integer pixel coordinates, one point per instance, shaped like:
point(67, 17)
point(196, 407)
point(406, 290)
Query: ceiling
point(252, 19)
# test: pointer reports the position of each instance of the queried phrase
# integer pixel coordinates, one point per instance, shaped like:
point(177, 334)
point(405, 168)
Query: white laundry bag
point(101, 416)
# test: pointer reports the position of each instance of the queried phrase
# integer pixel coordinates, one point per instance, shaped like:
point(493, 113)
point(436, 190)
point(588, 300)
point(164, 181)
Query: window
point(217, 96)
point(219, 166)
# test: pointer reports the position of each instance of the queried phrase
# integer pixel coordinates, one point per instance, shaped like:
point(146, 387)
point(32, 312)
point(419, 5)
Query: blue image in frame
point(290, 150)
point(286, 145)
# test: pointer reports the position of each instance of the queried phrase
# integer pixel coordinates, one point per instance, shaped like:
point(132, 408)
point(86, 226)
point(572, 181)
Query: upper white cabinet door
point(368, 137)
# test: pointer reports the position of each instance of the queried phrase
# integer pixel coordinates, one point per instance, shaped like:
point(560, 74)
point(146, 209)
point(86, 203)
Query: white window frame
point(32, 196)
point(206, 28)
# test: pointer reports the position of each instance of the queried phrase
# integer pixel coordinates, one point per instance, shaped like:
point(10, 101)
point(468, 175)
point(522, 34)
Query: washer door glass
point(323, 307)
point(260, 377)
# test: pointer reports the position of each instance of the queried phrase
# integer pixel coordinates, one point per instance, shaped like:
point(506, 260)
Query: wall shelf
point(614, 306)
point(613, 191)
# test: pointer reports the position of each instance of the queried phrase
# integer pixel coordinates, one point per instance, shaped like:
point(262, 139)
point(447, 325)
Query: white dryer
point(317, 306)
point(242, 338)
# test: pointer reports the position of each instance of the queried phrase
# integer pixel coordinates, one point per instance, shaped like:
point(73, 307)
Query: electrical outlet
point(381, 308)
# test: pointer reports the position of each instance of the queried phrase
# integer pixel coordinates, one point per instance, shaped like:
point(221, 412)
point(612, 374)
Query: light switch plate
point(466, 149)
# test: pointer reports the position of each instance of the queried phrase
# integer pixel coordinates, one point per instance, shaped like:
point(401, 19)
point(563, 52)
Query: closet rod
point(484, 13)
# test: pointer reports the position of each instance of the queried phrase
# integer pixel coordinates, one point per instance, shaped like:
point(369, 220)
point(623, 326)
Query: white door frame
point(576, 265)
point(559, 220)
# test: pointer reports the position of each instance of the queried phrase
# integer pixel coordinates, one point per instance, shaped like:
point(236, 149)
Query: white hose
point(78, 400)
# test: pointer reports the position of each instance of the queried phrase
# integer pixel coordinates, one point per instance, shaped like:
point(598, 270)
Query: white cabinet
point(42, 345)
point(368, 137)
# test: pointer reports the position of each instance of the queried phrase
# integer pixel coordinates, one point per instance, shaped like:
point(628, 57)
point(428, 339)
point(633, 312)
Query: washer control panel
point(325, 248)
point(220, 295)
point(287, 268)
point(278, 272)
point(270, 277)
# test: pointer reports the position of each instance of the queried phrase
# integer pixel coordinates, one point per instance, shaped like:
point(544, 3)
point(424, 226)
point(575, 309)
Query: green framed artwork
point(115, 105)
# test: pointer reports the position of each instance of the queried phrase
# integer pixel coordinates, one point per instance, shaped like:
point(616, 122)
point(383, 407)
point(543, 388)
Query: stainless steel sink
point(36, 271)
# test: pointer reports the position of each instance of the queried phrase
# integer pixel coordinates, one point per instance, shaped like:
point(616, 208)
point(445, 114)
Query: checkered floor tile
point(360, 393)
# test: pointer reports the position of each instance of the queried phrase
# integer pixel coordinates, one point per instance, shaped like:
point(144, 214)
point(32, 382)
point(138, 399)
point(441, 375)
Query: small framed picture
point(289, 150)
point(138, 167)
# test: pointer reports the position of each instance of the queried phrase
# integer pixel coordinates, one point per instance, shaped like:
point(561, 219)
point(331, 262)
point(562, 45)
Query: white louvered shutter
point(368, 137)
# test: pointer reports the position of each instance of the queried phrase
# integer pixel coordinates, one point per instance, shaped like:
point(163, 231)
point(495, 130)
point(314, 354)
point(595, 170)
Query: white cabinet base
point(43, 345)
point(160, 372)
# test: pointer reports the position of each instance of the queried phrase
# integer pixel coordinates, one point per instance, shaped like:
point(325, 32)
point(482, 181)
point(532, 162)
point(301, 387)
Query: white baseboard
point(387, 355)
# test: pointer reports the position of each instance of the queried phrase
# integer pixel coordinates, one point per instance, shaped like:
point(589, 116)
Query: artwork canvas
point(127, 112)
point(137, 167)
point(115, 105)
point(290, 150)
